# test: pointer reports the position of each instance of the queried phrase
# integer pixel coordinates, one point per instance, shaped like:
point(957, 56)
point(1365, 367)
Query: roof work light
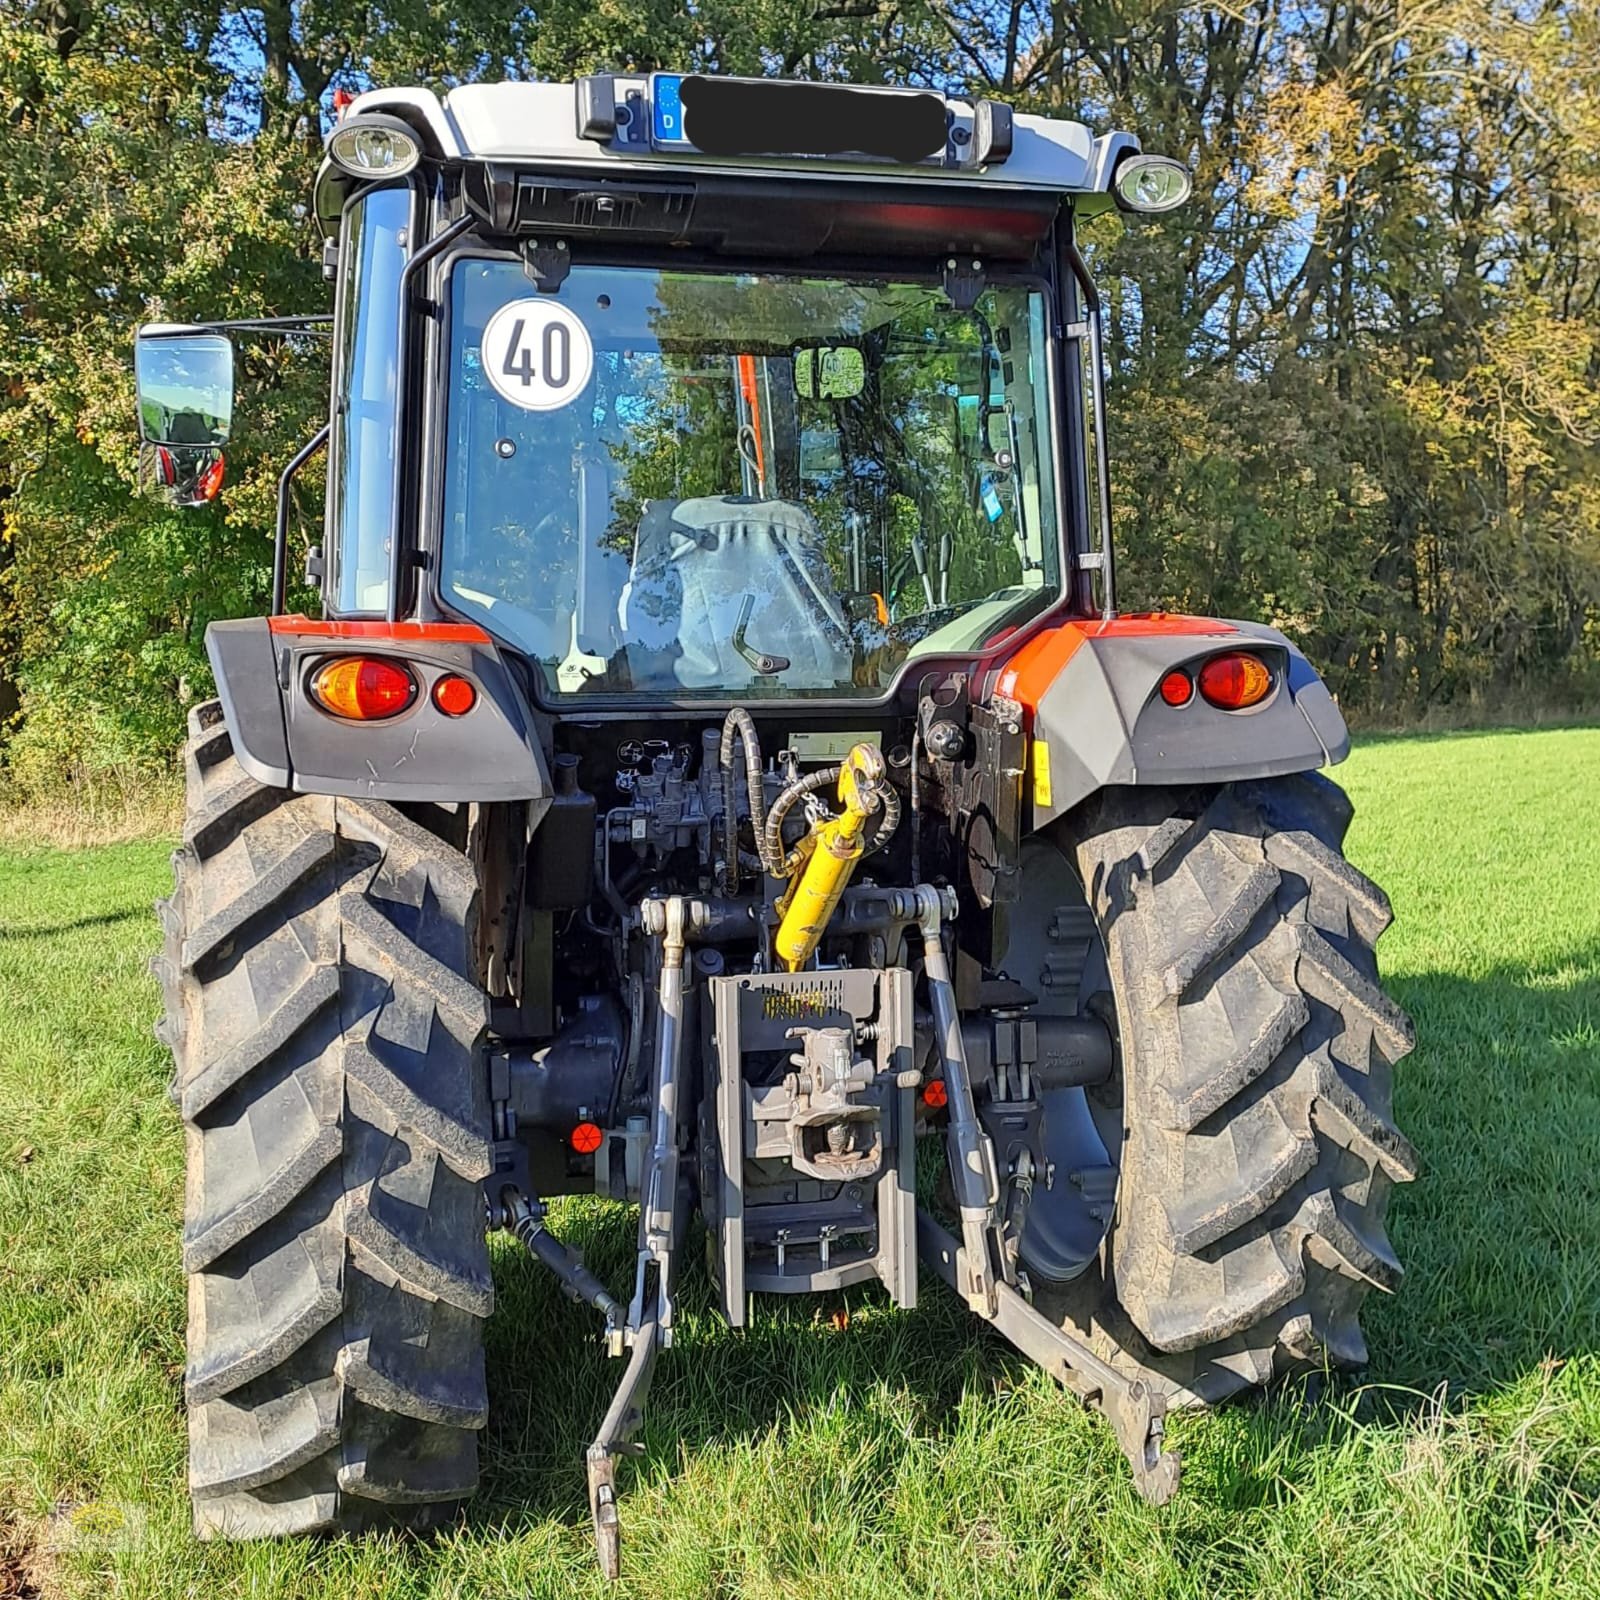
point(374, 146)
point(1152, 184)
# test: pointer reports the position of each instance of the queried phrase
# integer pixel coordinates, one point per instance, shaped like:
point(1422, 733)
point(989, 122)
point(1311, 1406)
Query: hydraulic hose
point(779, 863)
point(891, 820)
point(739, 721)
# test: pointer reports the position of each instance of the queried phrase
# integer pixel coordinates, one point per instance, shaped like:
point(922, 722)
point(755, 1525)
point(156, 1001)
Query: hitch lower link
point(981, 1267)
point(644, 1327)
point(648, 1329)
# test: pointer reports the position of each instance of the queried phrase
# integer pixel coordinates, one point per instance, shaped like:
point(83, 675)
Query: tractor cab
point(711, 389)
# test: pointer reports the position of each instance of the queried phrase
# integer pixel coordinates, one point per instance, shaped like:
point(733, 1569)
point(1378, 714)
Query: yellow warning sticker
point(1041, 773)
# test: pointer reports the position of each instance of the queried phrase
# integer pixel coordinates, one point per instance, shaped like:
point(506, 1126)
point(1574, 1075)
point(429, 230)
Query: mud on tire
point(326, 1025)
point(1257, 1046)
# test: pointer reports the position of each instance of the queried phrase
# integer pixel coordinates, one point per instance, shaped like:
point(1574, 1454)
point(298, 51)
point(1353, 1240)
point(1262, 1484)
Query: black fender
point(281, 737)
point(1091, 694)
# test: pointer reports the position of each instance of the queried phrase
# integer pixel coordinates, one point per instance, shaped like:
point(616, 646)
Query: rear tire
point(1258, 1148)
point(326, 1024)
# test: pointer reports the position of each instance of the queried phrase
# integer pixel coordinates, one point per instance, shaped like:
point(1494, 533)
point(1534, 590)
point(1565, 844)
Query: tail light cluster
point(373, 688)
point(1231, 681)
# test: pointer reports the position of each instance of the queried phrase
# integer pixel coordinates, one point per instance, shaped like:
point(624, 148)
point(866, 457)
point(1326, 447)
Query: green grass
point(906, 1455)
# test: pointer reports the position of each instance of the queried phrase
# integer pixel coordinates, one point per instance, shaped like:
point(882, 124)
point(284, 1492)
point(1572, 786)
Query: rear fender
point(1090, 691)
point(282, 738)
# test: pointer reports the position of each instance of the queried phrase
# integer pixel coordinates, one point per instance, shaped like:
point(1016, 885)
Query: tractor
point(720, 780)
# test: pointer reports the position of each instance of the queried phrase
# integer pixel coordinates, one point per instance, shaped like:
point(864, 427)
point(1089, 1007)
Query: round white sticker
point(537, 354)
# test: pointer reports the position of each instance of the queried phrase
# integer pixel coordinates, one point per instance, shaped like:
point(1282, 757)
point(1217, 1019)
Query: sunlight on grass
point(907, 1455)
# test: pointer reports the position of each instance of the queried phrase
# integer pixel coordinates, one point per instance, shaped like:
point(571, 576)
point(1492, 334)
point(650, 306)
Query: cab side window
point(361, 462)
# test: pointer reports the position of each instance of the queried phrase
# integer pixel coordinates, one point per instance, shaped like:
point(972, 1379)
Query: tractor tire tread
point(319, 985)
point(1259, 1145)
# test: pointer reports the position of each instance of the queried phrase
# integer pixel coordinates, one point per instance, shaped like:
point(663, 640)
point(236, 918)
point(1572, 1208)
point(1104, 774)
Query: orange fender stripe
point(371, 628)
point(1031, 671)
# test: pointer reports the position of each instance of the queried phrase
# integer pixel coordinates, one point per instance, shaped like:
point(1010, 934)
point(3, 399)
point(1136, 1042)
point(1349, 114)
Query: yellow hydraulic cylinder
point(837, 845)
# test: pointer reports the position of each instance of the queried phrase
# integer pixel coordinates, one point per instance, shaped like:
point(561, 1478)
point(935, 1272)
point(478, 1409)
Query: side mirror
point(999, 441)
point(182, 475)
point(831, 372)
point(185, 382)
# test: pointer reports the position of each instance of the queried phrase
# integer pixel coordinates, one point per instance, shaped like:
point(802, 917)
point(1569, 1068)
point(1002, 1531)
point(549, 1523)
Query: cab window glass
point(747, 485)
point(361, 465)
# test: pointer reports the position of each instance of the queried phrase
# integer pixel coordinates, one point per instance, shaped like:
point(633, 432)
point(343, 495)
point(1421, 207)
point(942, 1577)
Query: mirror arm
point(280, 546)
point(316, 327)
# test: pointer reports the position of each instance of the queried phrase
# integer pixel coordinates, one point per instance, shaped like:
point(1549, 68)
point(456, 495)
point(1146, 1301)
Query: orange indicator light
point(363, 688)
point(1235, 680)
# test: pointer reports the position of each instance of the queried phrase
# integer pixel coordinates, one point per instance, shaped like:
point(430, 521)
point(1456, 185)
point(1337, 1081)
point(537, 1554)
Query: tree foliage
point(1354, 382)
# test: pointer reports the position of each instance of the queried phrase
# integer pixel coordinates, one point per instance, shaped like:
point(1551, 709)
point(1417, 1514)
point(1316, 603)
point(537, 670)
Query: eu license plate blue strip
point(666, 110)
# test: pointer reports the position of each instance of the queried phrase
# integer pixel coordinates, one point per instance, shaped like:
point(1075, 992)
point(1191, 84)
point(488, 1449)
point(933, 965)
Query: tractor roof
point(765, 129)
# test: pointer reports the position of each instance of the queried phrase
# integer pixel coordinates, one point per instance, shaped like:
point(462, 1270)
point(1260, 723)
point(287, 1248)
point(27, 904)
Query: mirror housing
point(184, 377)
point(829, 372)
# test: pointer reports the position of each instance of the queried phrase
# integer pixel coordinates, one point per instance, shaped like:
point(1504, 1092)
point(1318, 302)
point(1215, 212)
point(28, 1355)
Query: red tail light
point(1235, 680)
point(1177, 688)
point(363, 688)
point(454, 695)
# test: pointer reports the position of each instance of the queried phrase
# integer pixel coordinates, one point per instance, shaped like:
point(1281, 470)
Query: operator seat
point(721, 571)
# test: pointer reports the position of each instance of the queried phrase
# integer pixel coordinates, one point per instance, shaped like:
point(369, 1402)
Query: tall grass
point(91, 806)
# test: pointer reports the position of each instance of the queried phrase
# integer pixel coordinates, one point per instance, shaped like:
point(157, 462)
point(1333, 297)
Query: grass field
point(904, 1455)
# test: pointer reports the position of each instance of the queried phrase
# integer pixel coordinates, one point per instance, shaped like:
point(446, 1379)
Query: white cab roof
point(536, 124)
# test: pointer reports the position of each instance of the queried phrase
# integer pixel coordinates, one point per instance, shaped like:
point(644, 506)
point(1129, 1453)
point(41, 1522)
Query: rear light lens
point(454, 695)
point(934, 1094)
point(1235, 680)
point(210, 484)
point(363, 688)
point(587, 1138)
point(1177, 688)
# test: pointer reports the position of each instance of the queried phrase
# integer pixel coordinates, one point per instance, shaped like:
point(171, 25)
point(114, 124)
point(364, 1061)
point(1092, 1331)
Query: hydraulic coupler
point(830, 857)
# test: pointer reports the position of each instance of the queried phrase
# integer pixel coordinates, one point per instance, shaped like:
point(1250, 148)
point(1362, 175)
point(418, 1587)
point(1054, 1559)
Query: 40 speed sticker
point(537, 354)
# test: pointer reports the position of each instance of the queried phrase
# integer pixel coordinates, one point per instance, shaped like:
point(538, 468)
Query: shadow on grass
point(50, 930)
point(1501, 1097)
